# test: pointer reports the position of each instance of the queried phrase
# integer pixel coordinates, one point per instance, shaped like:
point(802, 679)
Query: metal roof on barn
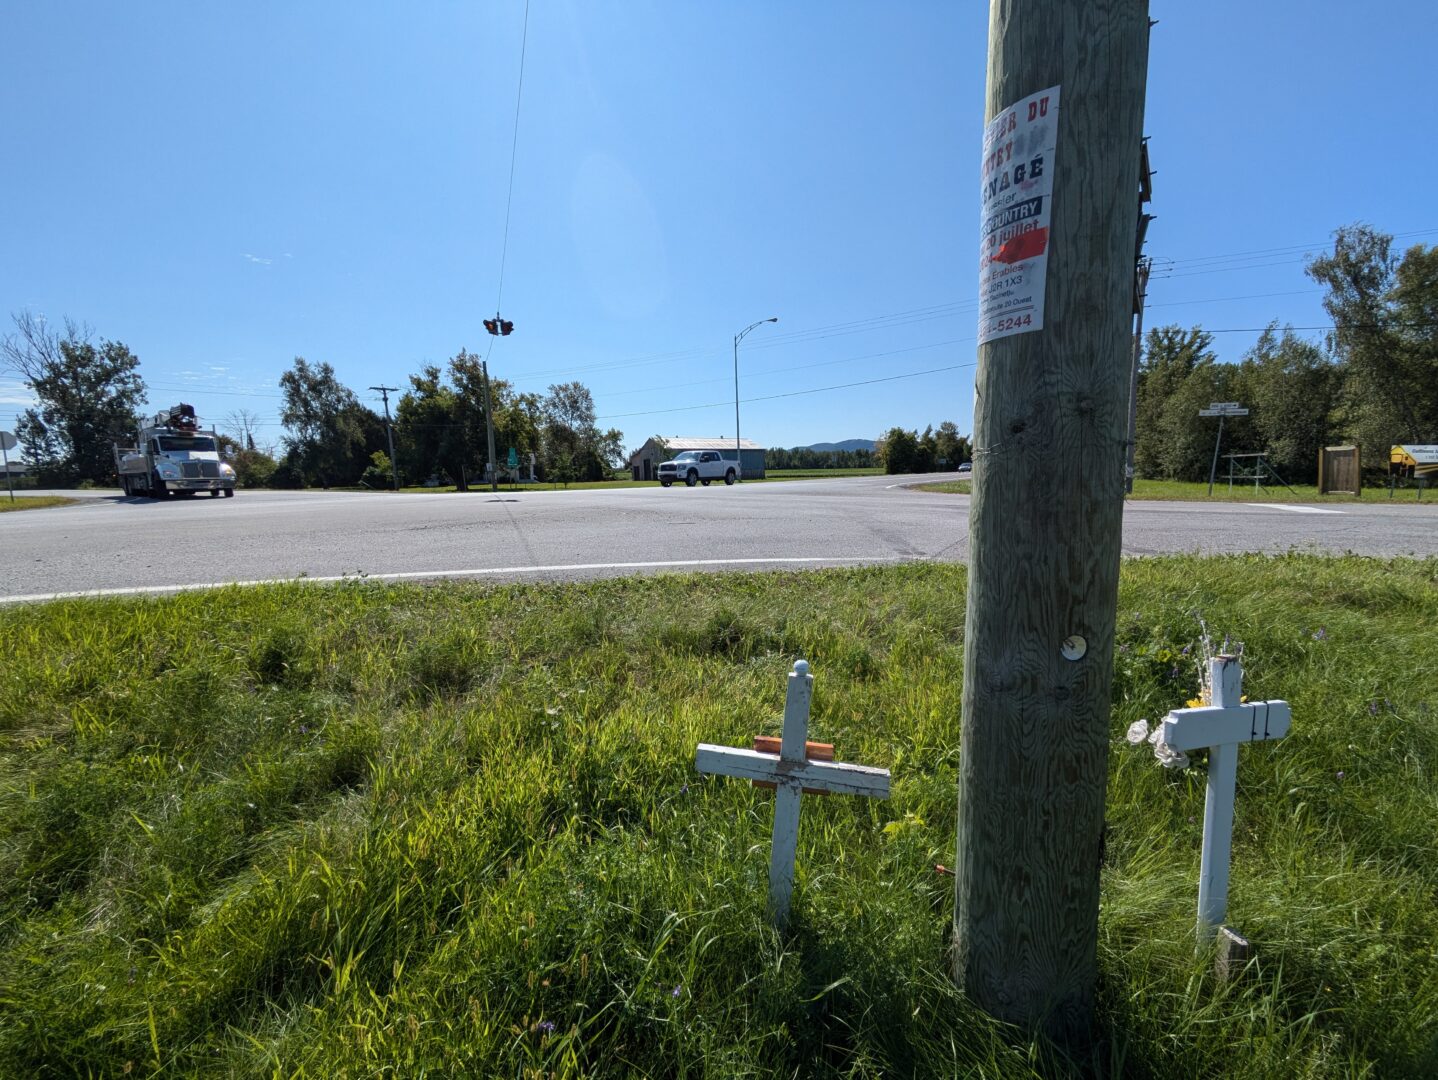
point(680, 442)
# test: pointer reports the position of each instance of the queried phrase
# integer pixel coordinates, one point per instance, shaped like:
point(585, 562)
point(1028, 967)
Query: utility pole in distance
point(489, 428)
point(1140, 286)
point(1046, 513)
point(384, 392)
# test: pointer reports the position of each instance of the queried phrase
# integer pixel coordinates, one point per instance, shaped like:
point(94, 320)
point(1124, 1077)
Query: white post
point(1226, 680)
point(787, 791)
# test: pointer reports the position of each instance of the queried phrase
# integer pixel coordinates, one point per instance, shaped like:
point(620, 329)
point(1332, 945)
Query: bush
point(378, 473)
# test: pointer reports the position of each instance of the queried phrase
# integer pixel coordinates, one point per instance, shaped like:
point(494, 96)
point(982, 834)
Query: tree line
point(900, 450)
point(89, 395)
point(804, 457)
point(1372, 380)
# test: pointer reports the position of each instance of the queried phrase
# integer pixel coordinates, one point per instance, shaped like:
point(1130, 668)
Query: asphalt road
point(113, 544)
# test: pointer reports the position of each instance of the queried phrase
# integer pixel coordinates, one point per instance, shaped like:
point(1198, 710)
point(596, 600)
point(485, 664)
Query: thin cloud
point(260, 259)
point(16, 394)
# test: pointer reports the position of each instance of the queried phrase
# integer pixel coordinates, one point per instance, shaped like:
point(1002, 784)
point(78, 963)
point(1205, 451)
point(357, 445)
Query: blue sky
point(225, 187)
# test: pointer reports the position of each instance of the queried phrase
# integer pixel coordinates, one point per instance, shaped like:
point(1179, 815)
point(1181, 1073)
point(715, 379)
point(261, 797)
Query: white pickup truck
point(698, 467)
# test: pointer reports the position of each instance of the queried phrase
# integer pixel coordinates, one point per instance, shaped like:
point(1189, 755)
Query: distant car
point(966, 470)
point(697, 467)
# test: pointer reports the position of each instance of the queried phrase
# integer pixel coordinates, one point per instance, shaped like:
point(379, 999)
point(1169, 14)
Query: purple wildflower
point(1339, 774)
point(545, 1026)
point(1185, 650)
point(304, 730)
point(1373, 708)
point(1321, 634)
point(684, 790)
point(678, 989)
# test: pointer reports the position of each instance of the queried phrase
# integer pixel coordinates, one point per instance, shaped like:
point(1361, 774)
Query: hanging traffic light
point(492, 325)
point(506, 327)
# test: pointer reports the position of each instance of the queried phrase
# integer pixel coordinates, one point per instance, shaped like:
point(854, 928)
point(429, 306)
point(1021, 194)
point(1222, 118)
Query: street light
point(739, 454)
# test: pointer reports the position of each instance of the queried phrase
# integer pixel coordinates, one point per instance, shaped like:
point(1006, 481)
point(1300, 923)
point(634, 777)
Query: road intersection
point(109, 544)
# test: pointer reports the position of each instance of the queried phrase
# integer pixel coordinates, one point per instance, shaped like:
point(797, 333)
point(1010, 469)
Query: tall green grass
point(456, 830)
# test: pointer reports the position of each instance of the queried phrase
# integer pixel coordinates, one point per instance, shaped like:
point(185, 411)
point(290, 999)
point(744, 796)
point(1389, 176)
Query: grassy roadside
point(33, 502)
point(1198, 492)
point(1181, 491)
point(456, 829)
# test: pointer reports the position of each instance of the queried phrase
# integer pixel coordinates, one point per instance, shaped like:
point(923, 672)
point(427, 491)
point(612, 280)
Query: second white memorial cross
point(791, 772)
point(1221, 727)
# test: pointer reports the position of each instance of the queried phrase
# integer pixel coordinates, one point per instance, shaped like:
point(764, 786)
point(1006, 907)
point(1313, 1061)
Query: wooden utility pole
point(489, 427)
point(1140, 297)
point(1050, 422)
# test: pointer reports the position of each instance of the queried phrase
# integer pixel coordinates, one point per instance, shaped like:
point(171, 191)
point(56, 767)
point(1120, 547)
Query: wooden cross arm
point(1216, 725)
point(835, 776)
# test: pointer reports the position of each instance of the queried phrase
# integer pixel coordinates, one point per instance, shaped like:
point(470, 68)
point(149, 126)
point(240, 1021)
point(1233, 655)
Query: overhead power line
point(513, 157)
point(794, 393)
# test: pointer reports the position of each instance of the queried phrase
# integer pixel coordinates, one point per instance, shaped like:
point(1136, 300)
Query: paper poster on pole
point(1017, 201)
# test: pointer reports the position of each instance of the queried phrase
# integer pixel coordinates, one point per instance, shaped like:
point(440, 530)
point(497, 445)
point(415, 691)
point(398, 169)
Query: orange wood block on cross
point(813, 751)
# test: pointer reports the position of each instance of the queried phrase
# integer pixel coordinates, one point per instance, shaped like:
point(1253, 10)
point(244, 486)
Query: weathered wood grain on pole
point(1050, 423)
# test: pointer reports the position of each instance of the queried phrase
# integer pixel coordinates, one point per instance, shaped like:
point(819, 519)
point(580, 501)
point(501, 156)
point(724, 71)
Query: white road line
point(144, 590)
point(1296, 509)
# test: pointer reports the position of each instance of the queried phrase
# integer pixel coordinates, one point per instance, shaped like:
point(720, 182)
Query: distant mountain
point(847, 444)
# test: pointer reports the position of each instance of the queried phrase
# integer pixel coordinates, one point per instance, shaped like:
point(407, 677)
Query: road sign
point(513, 458)
point(1224, 405)
point(7, 443)
point(1223, 410)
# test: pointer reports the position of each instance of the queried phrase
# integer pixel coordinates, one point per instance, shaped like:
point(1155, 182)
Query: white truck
point(173, 456)
point(698, 467)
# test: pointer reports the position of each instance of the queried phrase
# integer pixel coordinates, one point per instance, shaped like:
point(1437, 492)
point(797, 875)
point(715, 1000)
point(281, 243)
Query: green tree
point(1293, 391)
point(1170, 433)
point(570, 430)
point(427, 429)
point(326, 424)
point(898, 449)
point(89, 396)
point(950, 447)
point(1384, 335)
point(253, 468)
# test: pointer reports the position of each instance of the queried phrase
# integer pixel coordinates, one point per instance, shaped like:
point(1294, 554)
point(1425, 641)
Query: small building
point(1414, 461)
point(644, 462)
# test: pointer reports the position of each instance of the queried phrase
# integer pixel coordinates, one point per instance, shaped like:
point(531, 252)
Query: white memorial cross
point(1221, 726)
point(791, 772)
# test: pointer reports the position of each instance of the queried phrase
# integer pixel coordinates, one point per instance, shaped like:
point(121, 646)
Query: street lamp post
point(739, 454)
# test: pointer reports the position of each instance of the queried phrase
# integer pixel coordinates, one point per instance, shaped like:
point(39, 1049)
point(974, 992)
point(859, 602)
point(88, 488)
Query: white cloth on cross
point(791, 772)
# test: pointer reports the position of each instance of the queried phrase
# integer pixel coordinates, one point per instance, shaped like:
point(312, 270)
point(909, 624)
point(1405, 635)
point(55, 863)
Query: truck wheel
point(229, 493)
point(729, 478)
point(157, 487)
point(691, 479)
point(214, 493)
point(665, 483)
point(704, 482)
